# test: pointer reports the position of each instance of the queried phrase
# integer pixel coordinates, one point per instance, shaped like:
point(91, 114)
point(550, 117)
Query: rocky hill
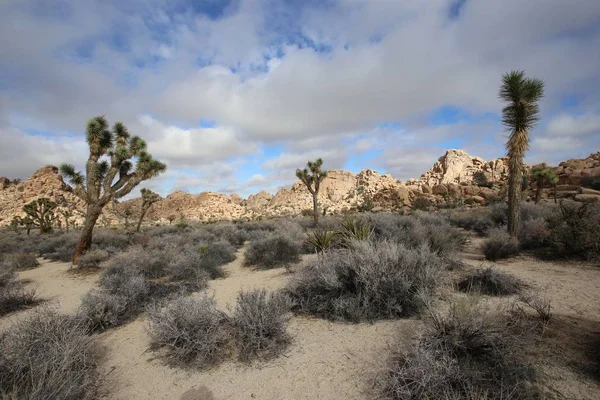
point(456, 176)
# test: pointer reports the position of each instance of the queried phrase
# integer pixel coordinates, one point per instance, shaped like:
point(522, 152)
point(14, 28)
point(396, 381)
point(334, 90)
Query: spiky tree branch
point(148, 198)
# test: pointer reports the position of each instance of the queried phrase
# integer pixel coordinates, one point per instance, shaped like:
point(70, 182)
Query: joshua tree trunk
point(515, 182)
point(538, 191)
point(85, 241)
point(139, 224)
point(315, 209)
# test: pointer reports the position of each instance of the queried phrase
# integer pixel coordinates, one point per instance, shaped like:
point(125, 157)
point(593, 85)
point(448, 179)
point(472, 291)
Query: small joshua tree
point(109, 172)
point(14, 224)
point(126, 212)
point(312, 176)
point(148, 198)
point(41, 212)
point(542, 175)
point(67, 215)
point(26, 221)
point(171, 218)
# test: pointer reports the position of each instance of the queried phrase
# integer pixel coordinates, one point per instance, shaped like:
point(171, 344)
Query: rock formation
point(450, 179)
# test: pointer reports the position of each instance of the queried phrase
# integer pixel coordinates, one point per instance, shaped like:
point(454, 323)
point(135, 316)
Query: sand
point(329, 360)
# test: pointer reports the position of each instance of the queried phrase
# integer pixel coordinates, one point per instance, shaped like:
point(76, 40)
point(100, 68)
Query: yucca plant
point(322, 240)
point(355, 229)
point(519, 116)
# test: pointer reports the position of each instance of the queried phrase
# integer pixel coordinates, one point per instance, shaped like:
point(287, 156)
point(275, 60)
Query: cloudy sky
point(235, 95)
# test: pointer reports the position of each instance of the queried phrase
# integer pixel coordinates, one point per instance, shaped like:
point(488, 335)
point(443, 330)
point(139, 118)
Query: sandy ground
point(325, 361)
point(569, 353)
point(331, 360)
point(56, 285)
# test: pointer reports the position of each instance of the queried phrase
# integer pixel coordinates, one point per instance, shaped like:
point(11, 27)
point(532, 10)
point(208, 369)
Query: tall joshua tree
point(148, 198)
point(542, 175)
point(518, 116)
point(109, 172)
point(312, 176)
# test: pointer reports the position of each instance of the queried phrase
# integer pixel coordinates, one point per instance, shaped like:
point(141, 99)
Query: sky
point(234, 95)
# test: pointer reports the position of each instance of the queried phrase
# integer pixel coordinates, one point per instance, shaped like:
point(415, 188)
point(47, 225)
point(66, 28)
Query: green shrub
point(422, 204)
point(321, 241)
point(576, 231)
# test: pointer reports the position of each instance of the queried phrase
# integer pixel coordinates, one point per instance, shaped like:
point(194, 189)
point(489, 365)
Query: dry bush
point(471, 352)
point(59, 247)
point(576, 231)
point(421, 228)
point(47, 356)
point(214, 255)
point(192, 330)
point(271, 252)
point(534, 233)
point(473, 220)
point(21, 261)
point(492, 282)
point(187, 266)
point(259, 321)
point(540, 303)
point(122, 295)
point(368, 281)
point(151, 261)
point(499, 245)
point(13, 295)
point(93, 259)
point(229, 232)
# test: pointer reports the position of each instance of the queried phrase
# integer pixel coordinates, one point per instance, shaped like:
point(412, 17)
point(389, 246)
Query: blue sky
point(235, 95)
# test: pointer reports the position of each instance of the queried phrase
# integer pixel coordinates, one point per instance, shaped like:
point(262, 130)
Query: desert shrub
point(591, 182)
point(259, 321)
point(320, 241)
point(59, 247)
point(151, 261)
point(534, 233)
point(13, 295)
point(471, 352)
point(14, 243)
point(122, 294)
point(421, 228)
point(576, 231)
point(93, 259)
point(230, 233)
point(368, 281)
point(499, 245)
point(21, 261)
point(540, 303)
point(499, 213)
point(193, 237)
point(272, 252)
point(472, 220)
point(491, 281)
point(481, 179)
point(187, 266)
point(62, 366)
point(422, 204)
point(104, 238)
point(192, 330)
point(214, 255)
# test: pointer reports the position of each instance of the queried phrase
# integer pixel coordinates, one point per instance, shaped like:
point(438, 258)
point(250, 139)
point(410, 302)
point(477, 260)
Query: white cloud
point(569, 125)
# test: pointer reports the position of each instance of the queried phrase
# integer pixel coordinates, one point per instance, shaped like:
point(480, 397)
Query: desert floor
point(328, 360)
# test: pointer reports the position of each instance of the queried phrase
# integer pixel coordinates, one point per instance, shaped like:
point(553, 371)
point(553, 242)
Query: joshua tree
point(148, 198)
point(542, 175)
point(312, 176)
point(26, 221)
point(67, 215)
point(126, 212)
point(171, 218)
point(518, 116)
point(14, 224)
point(109, 172)
point(41, 212)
